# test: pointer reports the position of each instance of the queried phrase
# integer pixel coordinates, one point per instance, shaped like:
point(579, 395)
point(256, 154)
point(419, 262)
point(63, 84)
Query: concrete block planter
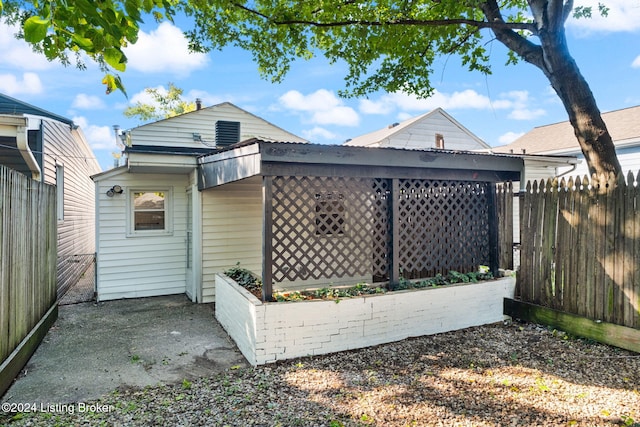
point(267, 332)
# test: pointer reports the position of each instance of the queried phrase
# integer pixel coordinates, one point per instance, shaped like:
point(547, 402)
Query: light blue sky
point(497, 108)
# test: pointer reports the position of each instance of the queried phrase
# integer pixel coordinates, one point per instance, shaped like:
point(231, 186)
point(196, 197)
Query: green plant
point(186, 384)
point(244, 278)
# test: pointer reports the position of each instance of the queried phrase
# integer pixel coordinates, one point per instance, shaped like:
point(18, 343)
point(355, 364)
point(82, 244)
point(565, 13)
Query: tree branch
point(408, 22)
point(527, 50)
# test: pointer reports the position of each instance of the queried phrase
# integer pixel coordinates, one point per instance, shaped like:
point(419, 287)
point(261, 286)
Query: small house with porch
point(219, 186)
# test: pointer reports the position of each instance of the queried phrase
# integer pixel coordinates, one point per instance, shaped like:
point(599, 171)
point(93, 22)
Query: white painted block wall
point(269, 332)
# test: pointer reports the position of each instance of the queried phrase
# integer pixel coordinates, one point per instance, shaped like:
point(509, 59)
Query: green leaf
point(83, 43)
point(35, 29)
point(115, 58)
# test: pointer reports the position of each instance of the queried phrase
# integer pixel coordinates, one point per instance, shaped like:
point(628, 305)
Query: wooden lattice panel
point(381, 232)
point(443, 226)
point(322, 228)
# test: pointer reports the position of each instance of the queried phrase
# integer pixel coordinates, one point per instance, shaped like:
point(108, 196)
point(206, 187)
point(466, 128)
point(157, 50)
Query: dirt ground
point(496, 375)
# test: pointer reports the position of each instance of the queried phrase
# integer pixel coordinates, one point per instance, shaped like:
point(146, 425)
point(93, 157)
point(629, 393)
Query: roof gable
point(623, 125)
point(399, 135)
point(197, 129)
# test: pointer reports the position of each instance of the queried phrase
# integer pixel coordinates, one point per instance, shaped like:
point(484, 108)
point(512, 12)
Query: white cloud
point(526, 114)
point(636, 62)
point(99, 137)
point(164, 50)
point(370, 107)
point(623, 16)
point(12, 85)
point(318, 133)
point(324, 107)
point(88, 102)
point(509, 137)
point(18, 53)
point(207, 99)
point(517, 101)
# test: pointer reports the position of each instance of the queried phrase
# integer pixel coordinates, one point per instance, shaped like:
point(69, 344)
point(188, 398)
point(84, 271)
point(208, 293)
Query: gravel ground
point(496, 375)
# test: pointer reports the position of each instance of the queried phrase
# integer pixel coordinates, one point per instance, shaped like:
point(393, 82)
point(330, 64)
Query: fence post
point(494, 230)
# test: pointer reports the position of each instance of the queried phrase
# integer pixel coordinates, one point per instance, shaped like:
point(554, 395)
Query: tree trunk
point(578, 100)
point(553, 58)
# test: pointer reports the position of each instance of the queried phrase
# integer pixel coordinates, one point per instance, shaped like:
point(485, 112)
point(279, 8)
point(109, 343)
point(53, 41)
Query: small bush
point(244, 278)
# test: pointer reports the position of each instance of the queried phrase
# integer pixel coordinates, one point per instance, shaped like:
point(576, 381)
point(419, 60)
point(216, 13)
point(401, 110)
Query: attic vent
point(227, 133)
point(439, 141)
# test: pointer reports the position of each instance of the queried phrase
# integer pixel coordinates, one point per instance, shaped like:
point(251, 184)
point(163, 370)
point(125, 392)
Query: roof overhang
point(290, 159)
point(160, 159)
point(160, 163)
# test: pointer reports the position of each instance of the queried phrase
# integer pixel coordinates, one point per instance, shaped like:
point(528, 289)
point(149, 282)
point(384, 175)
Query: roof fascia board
point(366, 156)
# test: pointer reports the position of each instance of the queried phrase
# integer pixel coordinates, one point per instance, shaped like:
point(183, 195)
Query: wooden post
point(394, 220)
point(494, 230)
point(267, 238)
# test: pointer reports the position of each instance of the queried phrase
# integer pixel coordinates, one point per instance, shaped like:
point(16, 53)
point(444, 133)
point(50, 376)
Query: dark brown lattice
point(443, 226)
point(322, 228)
point(333, 227)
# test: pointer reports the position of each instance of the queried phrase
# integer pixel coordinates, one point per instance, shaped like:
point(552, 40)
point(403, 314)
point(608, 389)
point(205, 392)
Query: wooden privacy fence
point(580, 248)
point(27, 261)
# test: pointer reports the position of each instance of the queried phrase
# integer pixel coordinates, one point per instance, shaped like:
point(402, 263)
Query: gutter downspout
point(22, 141)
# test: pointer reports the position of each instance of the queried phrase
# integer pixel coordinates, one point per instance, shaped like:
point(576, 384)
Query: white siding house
point(157, 234)
point(435, 129)
point(52, 149)
point(558, 139)
point(552, 150)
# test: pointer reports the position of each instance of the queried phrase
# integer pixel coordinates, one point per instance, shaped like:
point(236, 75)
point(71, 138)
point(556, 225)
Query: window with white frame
point(60, 191)
point(149, 211)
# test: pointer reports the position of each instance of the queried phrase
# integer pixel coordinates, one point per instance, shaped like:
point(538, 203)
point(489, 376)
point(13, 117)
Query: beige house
point(52, 149)
point(435, 129)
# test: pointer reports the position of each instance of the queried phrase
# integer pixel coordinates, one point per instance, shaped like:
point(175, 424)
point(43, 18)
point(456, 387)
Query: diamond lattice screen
point(332, 227)
point(322, 227)
point(443, 226)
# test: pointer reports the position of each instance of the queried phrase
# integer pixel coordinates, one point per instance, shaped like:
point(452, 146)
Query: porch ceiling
point(284, 159)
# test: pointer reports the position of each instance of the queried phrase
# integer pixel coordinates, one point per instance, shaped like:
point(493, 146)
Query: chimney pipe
point(198, 103)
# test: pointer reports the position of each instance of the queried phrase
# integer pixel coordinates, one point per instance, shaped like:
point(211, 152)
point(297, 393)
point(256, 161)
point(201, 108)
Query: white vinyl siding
point(629, 159)
point(139, 266)
point(68, 147)
point(178, 131)
point(422, 135)
point(231, 230)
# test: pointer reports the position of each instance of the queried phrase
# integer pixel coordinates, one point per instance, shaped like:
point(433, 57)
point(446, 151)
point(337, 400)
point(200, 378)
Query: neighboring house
point(435, 129)
point(157, 233)
point(559, 140)
point(552, 150)
point(52, 149)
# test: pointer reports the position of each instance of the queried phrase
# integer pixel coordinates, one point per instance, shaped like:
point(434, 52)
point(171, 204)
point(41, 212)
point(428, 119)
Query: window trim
point(60, 192)
point(168, 212)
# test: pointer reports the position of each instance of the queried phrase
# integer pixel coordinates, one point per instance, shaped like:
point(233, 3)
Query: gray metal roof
point(9, 105)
